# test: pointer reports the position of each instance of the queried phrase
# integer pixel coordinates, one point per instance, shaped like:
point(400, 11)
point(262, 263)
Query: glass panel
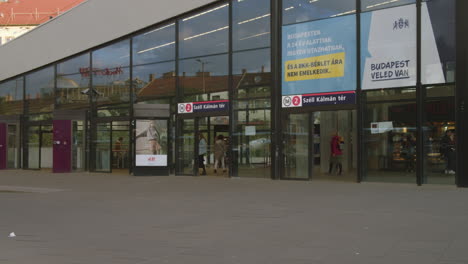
point(154, 81)
point(108, 112)
point(75, 65)
point(40, 91)
point(33, 147)
point(438, 41)
point(334, 145)
point(73, 91)
point(440, 142)
point(186, 147)
point(251, 24)
point(252, 73)
point(120, 149)
point(111, 87)
point(111, 73)
point(155, 45)
point(296, 146)
point(11, 97)
point(102, 145)
point(391, 94)
point(204, 33)
point(46, 147)
point(440, 91)
point(13, 146)
point(111, 57)
point(252, 142)
point(389, 143)
point(295, 11)
point(78, 148)
point(204, 79)
point(368, 5)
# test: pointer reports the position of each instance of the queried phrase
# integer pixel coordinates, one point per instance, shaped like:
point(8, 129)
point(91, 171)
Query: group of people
point(219, 150)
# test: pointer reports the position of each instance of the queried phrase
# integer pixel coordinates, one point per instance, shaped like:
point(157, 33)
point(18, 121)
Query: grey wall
point(90, 24)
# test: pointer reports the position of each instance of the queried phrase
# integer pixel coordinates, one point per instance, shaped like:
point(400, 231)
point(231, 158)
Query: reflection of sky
point(12, 88)
point(73, 65)
point(112, 56)
point(252, 61)
point(215, 65)
point(155, 45)
point(304, 10)
point(204, 33)
point(40, 81)
point(251, 24)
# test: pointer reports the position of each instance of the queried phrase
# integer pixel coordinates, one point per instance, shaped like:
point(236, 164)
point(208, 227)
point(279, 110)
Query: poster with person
point(151, 143)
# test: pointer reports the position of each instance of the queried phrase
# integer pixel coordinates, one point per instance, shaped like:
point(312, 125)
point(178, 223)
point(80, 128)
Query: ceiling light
point(253, 19)
point(206, 33)
point(157, 47)
point(206, 12)
point(170, 25)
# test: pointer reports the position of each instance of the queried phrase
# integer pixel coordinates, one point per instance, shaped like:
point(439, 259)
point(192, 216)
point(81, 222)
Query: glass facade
point(11, 97)
point(247, 58)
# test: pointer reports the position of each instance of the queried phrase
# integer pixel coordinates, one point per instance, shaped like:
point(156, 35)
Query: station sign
point(333, 98)
point(207, 106)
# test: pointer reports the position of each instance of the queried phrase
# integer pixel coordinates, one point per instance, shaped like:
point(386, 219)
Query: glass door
point(33, 147)
point(187, 163)
point(103, 147)
point(46, 147)
point(13, 146)
point(78, 147)
point(296, 140)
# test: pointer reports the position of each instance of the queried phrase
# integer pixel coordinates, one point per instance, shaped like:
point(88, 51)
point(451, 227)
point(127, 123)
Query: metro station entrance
point(38, 145)
point(320, 146)
point(110, 146)
point(199, 153)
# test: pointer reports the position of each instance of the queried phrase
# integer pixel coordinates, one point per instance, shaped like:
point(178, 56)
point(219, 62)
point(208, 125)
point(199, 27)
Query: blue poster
point(319, 56)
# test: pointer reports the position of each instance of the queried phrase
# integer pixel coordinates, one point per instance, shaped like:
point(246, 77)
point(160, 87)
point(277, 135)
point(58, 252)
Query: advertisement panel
point(438, 41)
point(388, 47)
point(151, 143)
point(319, 56)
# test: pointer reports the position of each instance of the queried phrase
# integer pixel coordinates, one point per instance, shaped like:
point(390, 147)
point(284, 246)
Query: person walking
point(219, 153)
point(202, 150)
point(336, 153)
point(447, 150)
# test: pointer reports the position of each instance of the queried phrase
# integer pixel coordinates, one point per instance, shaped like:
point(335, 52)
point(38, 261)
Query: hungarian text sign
point(319, 99)
point(208, 106)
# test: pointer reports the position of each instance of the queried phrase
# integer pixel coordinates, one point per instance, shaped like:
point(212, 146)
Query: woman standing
point(219, 153)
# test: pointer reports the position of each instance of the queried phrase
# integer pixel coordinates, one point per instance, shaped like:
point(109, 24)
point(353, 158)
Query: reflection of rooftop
point(165, 86)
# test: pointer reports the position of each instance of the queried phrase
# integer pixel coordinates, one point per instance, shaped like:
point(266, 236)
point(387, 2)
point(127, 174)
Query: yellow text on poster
point(320, 67)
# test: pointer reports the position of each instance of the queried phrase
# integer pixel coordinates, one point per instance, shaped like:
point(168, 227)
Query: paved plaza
point(104, 218)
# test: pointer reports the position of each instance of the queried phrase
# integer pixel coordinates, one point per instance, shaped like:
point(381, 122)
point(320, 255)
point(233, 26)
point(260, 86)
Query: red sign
point(296, 100)
point(188, 108)
point(86, 72)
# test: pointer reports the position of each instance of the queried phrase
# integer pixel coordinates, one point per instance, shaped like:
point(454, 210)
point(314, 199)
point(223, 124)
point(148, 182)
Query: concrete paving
point(103, 218)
